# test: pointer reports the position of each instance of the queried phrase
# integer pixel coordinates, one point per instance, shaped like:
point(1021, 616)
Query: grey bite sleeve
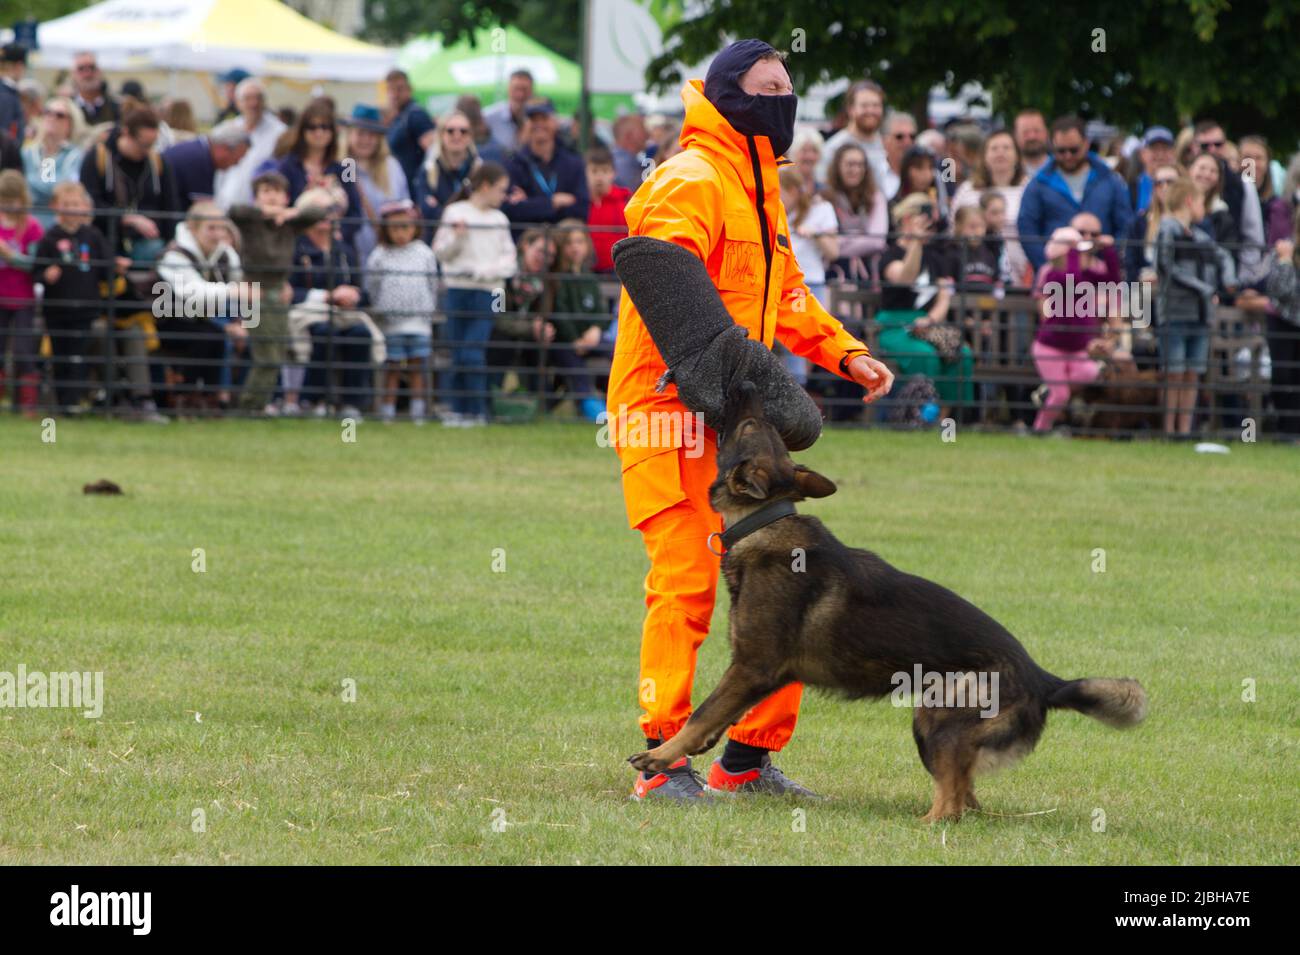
point(703, 347)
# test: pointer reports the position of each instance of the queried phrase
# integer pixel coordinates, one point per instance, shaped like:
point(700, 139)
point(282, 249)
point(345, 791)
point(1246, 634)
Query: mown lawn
point(494, 710)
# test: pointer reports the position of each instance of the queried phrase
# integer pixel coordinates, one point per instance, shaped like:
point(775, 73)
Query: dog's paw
point(647, 763)
point(935, 815)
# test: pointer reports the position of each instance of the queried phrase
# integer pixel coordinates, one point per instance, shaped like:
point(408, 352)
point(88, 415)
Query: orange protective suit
point(705, 199)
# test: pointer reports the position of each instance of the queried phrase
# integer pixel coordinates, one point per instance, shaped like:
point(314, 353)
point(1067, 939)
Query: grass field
point(506, 701)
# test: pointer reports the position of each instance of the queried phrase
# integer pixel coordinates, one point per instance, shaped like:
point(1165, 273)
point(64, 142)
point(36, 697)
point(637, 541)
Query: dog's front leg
point(739, 689)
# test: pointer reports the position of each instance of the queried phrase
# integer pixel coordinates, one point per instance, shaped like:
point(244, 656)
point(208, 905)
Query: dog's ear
point(749, 479)
point(812, 484)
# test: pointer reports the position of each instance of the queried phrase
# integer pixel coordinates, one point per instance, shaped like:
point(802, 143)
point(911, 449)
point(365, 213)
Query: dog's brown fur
point(847, 621)
point(1124, 399)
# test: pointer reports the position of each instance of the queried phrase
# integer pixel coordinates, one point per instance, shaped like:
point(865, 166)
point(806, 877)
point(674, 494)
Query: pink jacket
point(17, 288)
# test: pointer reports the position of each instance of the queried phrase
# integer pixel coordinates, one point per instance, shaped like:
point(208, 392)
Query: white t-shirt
point(820, 218)
point(236, 183)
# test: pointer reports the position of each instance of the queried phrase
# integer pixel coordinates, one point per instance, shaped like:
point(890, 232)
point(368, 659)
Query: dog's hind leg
point(954, 785)
point(739, 689)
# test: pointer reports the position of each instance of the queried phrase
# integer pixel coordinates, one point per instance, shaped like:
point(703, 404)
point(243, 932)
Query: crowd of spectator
point(312, 262)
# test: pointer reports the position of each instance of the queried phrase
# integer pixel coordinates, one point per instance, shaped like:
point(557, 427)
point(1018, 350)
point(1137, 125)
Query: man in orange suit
point(718, 199)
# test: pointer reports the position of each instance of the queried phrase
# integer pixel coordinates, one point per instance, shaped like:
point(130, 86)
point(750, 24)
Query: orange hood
point(705, 128)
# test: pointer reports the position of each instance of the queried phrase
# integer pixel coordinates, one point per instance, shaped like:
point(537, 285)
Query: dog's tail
point(1120, 703)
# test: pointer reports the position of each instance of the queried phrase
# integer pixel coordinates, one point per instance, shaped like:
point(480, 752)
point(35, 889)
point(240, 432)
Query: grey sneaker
point(148, 411)
point(679, 783)
point(766, 779)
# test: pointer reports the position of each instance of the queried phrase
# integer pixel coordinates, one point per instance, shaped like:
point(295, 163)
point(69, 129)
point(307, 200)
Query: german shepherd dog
point(804, 607)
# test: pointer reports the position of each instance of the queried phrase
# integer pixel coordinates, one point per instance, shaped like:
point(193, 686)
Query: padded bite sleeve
point(703, 347)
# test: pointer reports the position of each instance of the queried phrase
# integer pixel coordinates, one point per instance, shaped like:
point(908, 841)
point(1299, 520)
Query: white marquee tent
point(264, 37)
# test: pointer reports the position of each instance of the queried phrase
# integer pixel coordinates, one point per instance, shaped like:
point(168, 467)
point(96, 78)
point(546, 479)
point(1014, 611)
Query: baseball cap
point(1157, 134)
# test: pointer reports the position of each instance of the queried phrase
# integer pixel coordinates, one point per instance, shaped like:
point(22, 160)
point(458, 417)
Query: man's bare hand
point(871, 374)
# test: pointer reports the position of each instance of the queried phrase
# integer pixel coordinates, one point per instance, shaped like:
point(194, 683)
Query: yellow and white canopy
point(264, 37)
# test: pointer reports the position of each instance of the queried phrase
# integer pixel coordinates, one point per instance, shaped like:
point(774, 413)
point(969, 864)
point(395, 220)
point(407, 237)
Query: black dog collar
point(768, 514)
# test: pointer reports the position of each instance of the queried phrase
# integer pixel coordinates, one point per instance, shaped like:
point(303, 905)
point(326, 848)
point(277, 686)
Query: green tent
point(439, 74)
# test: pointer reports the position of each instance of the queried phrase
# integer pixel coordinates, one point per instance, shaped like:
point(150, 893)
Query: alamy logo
point(184, 299)
point(103, 908)
point(1127, 300)
point(652, 429)
point(959, 690)
point(38, 690)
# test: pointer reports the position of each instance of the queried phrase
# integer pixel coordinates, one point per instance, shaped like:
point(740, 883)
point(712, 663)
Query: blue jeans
point(469, 324)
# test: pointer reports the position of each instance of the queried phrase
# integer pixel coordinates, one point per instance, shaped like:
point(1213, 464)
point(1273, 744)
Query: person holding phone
point(1068, 346)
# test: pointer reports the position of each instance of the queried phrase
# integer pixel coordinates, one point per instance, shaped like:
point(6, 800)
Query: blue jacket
point(1048, 205)
point(566, 172)
point(404, 133)
point(12, 119)
point(313, 270)
point(192, 168)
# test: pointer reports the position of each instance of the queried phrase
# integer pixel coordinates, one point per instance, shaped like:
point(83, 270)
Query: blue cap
point(1157, 134)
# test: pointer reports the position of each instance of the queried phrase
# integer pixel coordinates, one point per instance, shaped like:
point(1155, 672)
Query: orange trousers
point(680, 590)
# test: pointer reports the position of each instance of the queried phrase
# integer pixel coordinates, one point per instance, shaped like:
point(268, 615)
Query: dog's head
point(753, 464)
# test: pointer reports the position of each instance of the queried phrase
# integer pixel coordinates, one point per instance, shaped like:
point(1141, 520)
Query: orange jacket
point(705, 200)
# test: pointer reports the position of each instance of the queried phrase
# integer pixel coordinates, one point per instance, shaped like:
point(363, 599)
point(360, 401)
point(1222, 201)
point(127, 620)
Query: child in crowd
point(1190, 269)
point(401, 277)
point(526, 326)
point(19, 235)
point(203, 274)
point(478, 258)
point(577, 300)
point(335, 343)
point(975, 258)
point(605, 212)
point(77, 270)
point(993, 207)
point(268, 230)
point(1066, 346)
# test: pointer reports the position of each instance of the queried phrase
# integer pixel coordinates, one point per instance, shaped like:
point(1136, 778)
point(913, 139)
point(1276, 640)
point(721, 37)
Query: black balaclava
point(749, 115)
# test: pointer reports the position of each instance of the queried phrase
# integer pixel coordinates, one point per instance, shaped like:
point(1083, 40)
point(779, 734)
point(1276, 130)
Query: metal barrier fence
point(116, 351)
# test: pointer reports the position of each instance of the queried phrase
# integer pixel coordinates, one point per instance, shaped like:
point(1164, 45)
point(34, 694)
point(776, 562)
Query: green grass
point(515, 692)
